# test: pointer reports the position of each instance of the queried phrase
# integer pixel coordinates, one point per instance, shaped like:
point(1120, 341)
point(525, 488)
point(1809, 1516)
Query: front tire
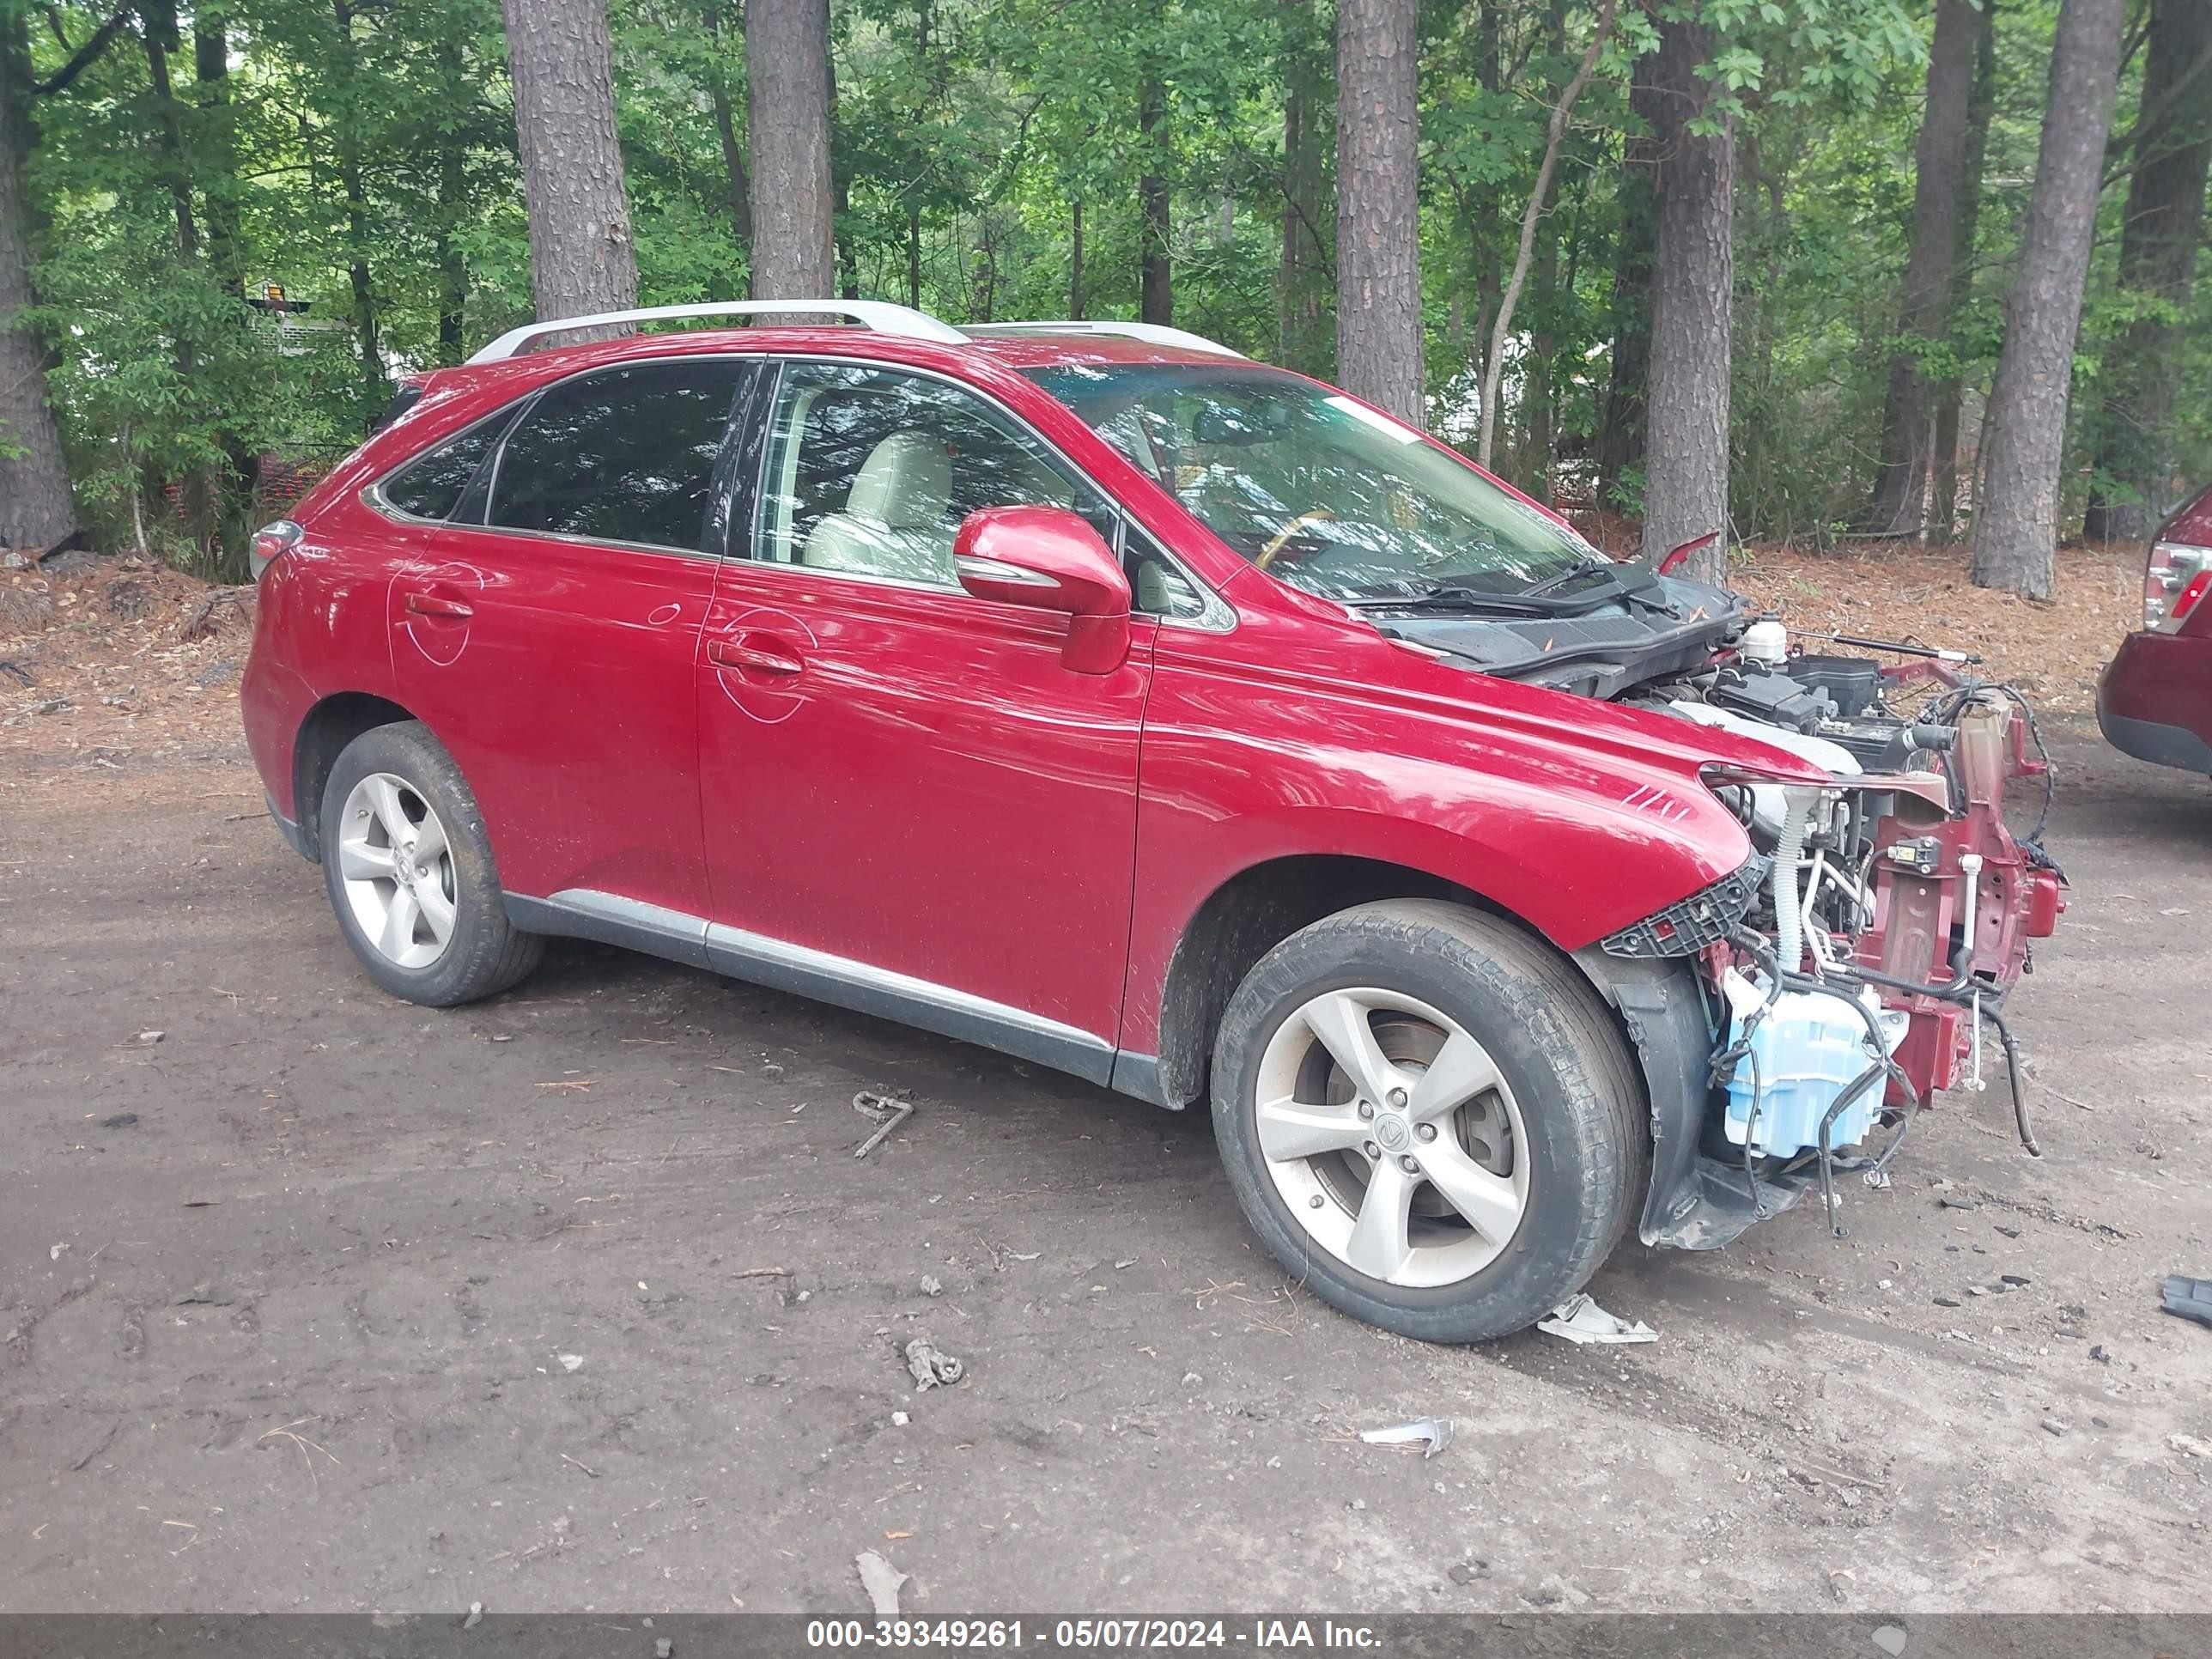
point(1430, 1117)
point(410, 872)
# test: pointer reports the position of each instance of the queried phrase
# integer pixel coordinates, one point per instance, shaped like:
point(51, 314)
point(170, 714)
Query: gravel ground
point(311, 1300)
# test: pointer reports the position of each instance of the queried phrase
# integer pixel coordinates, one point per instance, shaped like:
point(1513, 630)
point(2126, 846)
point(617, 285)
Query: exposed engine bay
point(1857, 965)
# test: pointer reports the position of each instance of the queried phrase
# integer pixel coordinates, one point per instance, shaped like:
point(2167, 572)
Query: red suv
point(1089, 692)
point(2154, 697)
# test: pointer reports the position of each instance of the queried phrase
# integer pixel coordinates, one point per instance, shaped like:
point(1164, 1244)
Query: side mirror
point(1046, 558)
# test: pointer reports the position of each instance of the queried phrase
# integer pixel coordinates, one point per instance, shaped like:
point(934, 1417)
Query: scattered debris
point(1950, 1202)
point(1890, 1639)
point(880, 1109)
point(476, 1616)
point(1465, 1572)
point(900, 1420)
point(931, 1367)
point(1192, 1379)
point(2102, 1354)
point(2052, 1425)
point(150, 1038)
point(932, 1285)
point(570, 1362)
point(762, 1272)
point(55, 1254)
point(1436, 1431)
point(1130, 1262)
point(2189, 1445)
point(1556, 1592)
point(2018, 1281)
point(2187, 1299)
point(1947, 1301)
point(663, 1646)
point(1579, 1319)
point(2009, 1232)
point(120, 1120)
point(882, 1581)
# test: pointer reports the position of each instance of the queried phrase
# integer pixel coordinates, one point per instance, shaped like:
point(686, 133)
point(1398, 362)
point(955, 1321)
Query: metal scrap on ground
point(1579, 1319)
point(932, 1366)
point(1436, 1431)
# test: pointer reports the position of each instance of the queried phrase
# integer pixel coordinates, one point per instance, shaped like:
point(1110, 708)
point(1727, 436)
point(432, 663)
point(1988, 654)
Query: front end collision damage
point(1902, 902)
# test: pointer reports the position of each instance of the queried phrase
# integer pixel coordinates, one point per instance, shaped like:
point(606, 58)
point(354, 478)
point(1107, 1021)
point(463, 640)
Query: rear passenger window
point(627, 455)
point(431, 487)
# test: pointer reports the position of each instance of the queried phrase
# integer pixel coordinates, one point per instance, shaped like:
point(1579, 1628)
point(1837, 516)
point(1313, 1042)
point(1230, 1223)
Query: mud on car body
point(1090, 692)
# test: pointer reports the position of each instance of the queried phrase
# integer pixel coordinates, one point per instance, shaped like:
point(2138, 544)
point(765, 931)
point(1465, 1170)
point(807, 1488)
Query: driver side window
point(870, 470)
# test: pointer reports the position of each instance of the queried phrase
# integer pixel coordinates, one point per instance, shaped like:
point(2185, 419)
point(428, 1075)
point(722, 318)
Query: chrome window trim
point(1218, 616)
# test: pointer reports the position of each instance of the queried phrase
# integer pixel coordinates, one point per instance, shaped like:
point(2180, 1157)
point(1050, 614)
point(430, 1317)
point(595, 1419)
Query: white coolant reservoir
point(1804, 1052)
point(1765, 640)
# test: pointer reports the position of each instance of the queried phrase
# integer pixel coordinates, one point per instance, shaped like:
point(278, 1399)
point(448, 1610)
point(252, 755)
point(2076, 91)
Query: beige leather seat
point(896, 521)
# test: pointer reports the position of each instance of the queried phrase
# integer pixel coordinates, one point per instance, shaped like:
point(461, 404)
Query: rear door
point(549, 636)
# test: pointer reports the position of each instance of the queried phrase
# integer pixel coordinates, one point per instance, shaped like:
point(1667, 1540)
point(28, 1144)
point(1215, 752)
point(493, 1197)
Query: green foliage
point(360, 155)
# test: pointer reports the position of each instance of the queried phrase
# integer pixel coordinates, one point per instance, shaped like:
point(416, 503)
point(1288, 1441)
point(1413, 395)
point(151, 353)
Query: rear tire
point(410, 872)
point(1479, 1155)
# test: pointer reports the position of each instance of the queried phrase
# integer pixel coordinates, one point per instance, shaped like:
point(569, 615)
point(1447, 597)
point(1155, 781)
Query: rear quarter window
point(431, 485)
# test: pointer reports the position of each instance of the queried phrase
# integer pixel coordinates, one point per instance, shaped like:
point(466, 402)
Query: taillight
point(2175, 582)
point(269, 542)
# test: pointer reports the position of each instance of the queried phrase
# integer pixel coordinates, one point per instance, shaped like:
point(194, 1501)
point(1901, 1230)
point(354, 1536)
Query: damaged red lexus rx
point(1091, 693)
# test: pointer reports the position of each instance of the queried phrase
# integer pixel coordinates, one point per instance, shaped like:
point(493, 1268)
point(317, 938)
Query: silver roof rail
point(878, 315)
point(1151, 333)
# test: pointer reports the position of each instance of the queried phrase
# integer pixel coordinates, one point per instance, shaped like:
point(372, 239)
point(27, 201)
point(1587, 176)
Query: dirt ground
point(578, 1299)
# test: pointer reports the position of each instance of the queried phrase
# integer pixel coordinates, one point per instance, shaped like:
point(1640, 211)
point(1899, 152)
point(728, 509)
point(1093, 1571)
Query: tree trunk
point(1304, 332)
point(787, 78)
point(1692, 300)
point(726, 127)
point(1534, 469)
point(162, 38)
point(358, 238)
point(1938, 174)
point(1493, 360)
point(36, 508)
point(1378, 257)
point(561, 65)
point(453, 264)
point(1075, 259)
point(218, 151)
point(1156, 207)
point(1943, 459)
point(2158, 263)
point(2016, 527)
point(1620, 428)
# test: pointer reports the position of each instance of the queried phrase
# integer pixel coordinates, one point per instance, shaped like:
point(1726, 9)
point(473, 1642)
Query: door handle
point(436, 605)
point(733, 653)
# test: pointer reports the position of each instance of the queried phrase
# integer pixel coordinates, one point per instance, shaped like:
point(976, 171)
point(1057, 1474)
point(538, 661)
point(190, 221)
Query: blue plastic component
point(1804, 1052)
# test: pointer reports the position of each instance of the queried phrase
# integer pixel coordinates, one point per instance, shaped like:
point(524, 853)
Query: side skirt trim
point(583, 912)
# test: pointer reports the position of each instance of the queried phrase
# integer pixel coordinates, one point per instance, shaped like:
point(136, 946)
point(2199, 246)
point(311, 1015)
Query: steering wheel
point(1281, 538)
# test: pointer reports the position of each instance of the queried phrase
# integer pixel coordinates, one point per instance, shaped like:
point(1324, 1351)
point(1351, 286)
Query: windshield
point(1315, 487)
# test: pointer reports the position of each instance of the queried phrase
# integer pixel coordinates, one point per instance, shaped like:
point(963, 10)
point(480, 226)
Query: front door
point(549, 635)
point(911, 807)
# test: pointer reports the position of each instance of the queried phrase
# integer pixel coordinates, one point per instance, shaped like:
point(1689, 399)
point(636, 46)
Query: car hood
point(1653, 627)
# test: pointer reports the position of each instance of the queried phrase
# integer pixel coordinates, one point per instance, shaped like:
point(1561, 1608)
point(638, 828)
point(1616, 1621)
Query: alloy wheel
point(1392, 1136)
point(397, 871)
